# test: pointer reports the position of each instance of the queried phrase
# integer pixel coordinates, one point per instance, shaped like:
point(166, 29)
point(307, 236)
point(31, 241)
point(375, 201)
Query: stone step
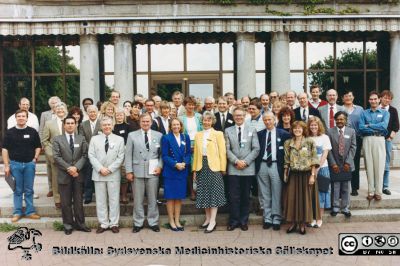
point(372, 215)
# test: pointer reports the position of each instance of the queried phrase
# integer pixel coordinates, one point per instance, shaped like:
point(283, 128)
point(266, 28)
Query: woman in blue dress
point(176, 155)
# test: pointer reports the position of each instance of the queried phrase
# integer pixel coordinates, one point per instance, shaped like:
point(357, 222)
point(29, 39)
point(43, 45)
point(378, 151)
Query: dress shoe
point(50, 194)
point(16, 218)
point(377, 197)
point(203, 226)
point(230, 227)
point(386, 192)
point(100, 230)
point(58, 205)
point(155, 228)
point(370, 197)
point(276, 227)
point(181, 228)
point(33, 216)
point(210, 231)
point(347, 214)
point(136, 229)
point(333, 214)
point(68, 231)
point(175, 229)
point(87, 201)
point(267, 225)
point(244, 227)
point(115, 229)
point(354, 193)
point(84, 229)
point(291, 229)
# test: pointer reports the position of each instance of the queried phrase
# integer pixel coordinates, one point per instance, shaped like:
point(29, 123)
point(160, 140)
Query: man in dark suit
point(303, 112)
point(88, 129)
point(70, 155)
point(341, 161)
point(224, 119)
point(269, 169)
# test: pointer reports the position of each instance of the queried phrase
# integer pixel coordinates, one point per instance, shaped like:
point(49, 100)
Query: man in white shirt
point(291, 100)
point(315, 101)
point(33, 121)
point(264, 98)
point(328, 111)
point(303, 112)
point(177, 99)
point(115, 97)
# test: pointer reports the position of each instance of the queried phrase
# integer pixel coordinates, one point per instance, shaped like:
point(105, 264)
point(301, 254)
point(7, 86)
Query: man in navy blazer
point(304, 111)
point(223, 115)
point(269, 166)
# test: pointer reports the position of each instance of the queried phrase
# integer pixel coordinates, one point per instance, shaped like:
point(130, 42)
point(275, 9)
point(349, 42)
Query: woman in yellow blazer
point(209, 164)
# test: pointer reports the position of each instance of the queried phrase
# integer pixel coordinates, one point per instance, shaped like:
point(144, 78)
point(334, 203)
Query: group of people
point(299, 157)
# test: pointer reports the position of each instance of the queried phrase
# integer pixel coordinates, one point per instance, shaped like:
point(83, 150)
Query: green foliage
point(222, 2)
point(58, 226)
point(349, 10)
point(6, 227)
point(277, 13)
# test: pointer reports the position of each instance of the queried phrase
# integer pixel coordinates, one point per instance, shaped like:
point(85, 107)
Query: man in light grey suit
point(328, 111)
point(44, 117)
point(88, 129)
point(70, 155)
point(341, 161)
point(143, 166)
point(242, 149)
point(106, 153)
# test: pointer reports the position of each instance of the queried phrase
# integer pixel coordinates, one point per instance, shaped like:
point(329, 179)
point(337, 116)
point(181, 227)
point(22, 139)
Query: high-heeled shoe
point(291, 229)
point(175, 229)
point(203, 226)
point(210, 231)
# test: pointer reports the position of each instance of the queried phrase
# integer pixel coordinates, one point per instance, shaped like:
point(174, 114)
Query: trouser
point(374, 151)
point(54, 182)
point(71, 195)
point(341, 190)
point(24, 174)
point(239, 199)
point(355, 180)
point(270, 186)
point(49, 174)
point(140, 186)
point(107, 202)
point(88, 182)
point(388, 145)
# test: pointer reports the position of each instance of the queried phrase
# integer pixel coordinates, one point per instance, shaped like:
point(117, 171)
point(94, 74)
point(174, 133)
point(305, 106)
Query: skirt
point(210, 188)
point(302, 201)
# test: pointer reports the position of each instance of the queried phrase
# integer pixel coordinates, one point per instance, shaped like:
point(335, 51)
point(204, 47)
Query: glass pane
point(48, 59)
point(73, 56)
point(371, 54)
point(109, 80)
point(349, 55)
point(167, 57)
point(142, 83)
point(297, 82)
point(72, 91)
point(21, 58)
point(371, 85)
point(201, 90)
point(202, 56)
point(45, 87)
point(165, 90)
point(14, 89)
point(296, 54)
point(141, 58)
point(260, 56)
point(109, 58)
point(227, 83)
point(324, 79)
point(260, 84)
point(351, 81)
point(227, 56)
point(319, 55)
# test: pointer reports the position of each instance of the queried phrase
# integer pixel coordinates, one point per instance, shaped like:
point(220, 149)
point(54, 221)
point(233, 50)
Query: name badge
point(379, 116)
point(76, 145)
point(230, 121)
point(154, 140)
point(183, 143)
point(250, 134)
point(346, 136)
point(304, 148)
point(27, 136)
point(121, 131)
point(244, 140)
point(241, 145)
point(281, 147)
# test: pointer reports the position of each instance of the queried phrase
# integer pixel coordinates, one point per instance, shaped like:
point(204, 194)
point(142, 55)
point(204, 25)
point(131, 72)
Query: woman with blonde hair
point(108, 109)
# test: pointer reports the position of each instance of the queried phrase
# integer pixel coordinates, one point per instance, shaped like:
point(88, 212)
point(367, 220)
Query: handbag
point(11, 181)
point(323, 183)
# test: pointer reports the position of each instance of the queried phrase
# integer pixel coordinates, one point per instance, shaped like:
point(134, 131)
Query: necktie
point(269, 149)
point(223, 121)
point(331, 119)
point(304, 115)
point(71, 143)
point(92, 126)
point(341, 143)
point(240, 136)
point(106, 144)
point(146, 141)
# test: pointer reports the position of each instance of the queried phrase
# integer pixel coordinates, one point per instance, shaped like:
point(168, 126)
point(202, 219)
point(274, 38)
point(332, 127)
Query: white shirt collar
point(343, 129)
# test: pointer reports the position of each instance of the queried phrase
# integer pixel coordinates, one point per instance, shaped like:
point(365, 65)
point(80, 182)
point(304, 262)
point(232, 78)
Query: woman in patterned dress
point(209, 165)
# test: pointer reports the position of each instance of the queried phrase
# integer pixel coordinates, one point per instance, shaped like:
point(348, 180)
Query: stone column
point(280, 64)
point(395, 87)
point(246, 65)
point(89, 72)
point(123, 67)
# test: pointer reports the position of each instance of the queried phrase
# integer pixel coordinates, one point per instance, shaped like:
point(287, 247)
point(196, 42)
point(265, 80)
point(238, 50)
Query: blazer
point(281, 136)
point(311, 112)
point(216, 151)
point(350, 146)
point(393, 121)
point(136, 155)
point(172, 154)
point(50, 130)
point(228, 121)
point(111, 160)
point(45, 116)
point(323, 110)
point(197, 116)
point(64, 158)
point(159, 126)
point(86, 131)
point(248, 152)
